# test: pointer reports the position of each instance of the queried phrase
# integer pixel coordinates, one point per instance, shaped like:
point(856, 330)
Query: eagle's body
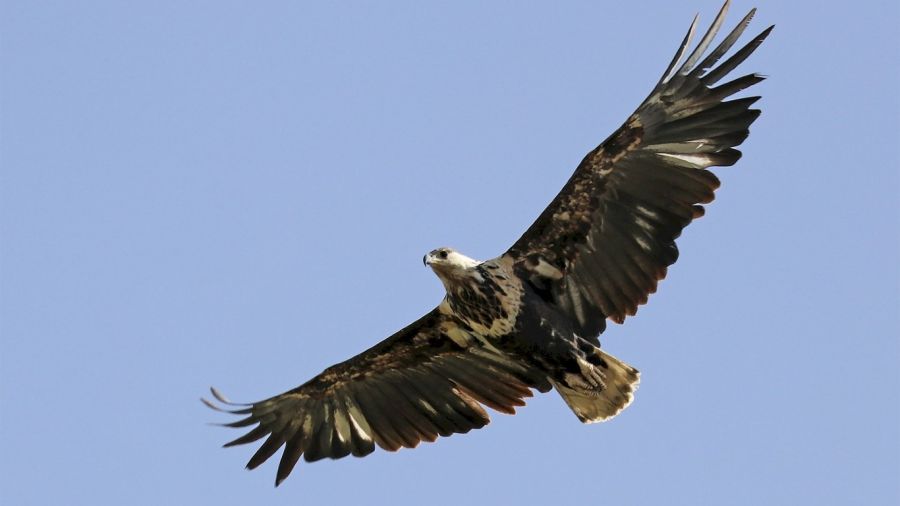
point(489, 305)
point(530, 318)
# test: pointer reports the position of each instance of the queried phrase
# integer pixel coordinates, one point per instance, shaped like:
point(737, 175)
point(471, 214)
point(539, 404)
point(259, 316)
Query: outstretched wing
point(425, 381)
point(601, 246)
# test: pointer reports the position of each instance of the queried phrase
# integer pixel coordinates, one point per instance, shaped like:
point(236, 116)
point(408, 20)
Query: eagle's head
point(450, 264)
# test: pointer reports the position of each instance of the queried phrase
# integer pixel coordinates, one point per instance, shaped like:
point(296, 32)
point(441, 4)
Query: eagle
point(530, 318)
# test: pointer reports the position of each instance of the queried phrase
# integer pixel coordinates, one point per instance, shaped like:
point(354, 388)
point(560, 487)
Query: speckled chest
point(488, 302)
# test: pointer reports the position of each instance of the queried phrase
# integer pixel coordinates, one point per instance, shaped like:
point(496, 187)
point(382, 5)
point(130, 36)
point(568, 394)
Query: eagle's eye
point(442, 254)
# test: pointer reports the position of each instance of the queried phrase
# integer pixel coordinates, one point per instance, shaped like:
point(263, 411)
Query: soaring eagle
point(530, 318)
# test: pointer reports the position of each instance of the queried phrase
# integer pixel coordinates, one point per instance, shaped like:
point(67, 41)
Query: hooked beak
point(425, 260)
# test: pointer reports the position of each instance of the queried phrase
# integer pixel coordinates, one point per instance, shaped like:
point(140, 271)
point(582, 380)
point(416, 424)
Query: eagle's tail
point(605, 387)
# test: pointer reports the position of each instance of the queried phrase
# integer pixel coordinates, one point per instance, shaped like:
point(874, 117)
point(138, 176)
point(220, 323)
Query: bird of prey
point(530, 318)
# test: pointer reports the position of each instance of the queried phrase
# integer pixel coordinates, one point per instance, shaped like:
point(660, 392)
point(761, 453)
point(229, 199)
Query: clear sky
point(239, 194)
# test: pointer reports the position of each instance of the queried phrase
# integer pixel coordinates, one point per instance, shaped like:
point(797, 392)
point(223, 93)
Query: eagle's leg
point(594, 384)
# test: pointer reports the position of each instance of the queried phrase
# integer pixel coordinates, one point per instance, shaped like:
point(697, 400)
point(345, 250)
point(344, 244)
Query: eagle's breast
point(489, 301)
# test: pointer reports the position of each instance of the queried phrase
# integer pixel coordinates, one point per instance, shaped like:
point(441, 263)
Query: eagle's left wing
point(425, 381)
point(601, 246)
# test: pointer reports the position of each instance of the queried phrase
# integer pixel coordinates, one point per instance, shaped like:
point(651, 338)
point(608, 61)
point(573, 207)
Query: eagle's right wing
point(425, 381)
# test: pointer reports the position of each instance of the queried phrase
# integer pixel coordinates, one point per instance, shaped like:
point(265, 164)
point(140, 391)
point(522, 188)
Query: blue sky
point(240, 194)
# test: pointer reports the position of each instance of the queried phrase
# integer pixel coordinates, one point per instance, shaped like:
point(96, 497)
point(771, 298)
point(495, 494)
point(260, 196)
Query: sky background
point(239, 194)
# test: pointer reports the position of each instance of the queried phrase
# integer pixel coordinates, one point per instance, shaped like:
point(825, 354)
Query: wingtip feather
point(681, 49)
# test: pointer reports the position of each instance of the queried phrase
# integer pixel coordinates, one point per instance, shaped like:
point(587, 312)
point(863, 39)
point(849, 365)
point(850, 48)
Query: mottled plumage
point(530, 318)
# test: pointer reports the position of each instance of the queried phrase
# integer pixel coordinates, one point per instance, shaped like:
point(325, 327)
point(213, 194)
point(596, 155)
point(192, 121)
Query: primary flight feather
point(530, 318)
